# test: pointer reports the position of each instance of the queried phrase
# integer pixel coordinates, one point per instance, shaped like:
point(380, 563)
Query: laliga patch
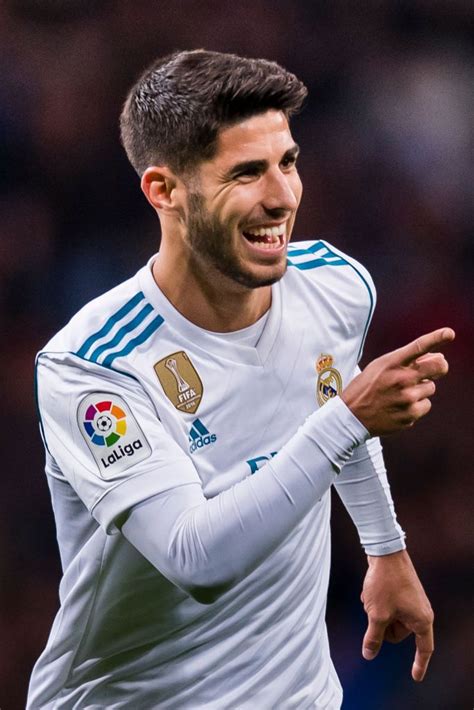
point(112, 433)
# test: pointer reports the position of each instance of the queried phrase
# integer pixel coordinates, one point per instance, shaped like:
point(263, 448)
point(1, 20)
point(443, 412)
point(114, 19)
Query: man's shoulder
point(310, 255)
point(324, 279)
point(318, 261)
point(102, 323)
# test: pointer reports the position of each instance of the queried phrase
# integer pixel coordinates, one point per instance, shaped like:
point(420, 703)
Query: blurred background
point(387, 147)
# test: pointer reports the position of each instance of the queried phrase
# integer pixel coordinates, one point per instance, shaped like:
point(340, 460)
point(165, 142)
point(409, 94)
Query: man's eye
point(288, 162)
point(249, 174)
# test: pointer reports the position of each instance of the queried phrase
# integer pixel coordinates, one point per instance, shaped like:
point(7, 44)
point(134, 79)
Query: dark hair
point(174, 112)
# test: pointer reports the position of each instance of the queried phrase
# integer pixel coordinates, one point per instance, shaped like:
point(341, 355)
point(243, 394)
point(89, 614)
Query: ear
point(159, 187)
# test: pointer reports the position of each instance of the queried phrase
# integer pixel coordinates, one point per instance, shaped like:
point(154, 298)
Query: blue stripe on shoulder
point(109, 324)
point(135, 342)
point(127, 328)
point(326, 258)
point(304, 265)
point(299, 252)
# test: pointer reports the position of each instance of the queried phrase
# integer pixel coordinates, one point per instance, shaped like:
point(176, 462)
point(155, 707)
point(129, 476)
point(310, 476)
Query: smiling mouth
point(266, 238)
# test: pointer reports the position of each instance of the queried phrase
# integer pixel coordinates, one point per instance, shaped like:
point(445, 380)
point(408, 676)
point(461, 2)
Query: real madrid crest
point(180, 381)
point(329, 379)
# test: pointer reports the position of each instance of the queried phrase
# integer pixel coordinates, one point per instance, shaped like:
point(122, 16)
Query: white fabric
point(207, 546)
point(129, 632)
point(246, 336)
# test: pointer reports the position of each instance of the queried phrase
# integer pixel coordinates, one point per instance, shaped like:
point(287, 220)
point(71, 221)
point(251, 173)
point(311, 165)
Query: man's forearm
point(205, 546)
point(364, 489)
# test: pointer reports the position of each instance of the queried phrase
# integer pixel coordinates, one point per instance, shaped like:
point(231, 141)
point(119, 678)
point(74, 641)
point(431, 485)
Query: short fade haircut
point(173, 113)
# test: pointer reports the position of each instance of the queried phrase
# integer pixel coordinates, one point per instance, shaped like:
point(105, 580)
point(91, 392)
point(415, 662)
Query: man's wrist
point(400, 557)
point(383, 549)
point(336, 431)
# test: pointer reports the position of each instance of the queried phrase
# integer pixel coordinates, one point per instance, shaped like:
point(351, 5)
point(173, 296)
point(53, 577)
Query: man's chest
point(230, 409)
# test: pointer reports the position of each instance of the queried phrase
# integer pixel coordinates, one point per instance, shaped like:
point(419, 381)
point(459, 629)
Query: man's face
point(242, 203)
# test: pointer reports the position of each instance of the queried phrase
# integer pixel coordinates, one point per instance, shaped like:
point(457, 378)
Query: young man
point(196, 416)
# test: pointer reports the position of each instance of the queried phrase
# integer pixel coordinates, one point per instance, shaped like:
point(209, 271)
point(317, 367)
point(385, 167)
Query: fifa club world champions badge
point(329, 379)
point(180, 381)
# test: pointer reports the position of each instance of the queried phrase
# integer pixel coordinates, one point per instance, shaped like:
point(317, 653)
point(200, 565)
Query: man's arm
point(205, 545)
point(393, 597)
point(365, 492)
point(209, 545)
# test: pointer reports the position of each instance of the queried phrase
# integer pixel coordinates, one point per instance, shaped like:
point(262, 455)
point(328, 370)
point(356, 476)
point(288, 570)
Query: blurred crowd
point(386, 163)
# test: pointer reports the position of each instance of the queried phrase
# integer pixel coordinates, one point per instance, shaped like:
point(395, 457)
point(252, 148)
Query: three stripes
point(318, 254)
point(102, 350)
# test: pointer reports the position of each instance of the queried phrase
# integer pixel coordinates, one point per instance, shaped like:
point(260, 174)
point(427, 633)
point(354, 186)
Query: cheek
point(232, 213)
point(240, 202)
point(297, 186)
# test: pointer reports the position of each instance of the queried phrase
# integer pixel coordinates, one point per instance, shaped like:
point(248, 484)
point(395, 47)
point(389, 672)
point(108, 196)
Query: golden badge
point(180, 381)
point(329, 379)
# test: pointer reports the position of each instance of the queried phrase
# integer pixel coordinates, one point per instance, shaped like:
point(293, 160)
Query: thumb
point(373, 639)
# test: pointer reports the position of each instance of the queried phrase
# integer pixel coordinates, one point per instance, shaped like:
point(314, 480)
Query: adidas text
point(202, 441)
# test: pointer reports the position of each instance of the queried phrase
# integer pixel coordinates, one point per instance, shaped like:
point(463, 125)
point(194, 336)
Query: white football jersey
point(126, 391)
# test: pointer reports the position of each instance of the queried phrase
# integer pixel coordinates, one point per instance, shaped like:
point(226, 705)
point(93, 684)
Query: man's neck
point(213, 304)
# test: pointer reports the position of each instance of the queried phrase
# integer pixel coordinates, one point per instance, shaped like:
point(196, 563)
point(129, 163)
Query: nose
point(281, 191)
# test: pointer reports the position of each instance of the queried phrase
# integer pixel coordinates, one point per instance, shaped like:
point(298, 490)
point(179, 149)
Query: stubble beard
point(212, 246)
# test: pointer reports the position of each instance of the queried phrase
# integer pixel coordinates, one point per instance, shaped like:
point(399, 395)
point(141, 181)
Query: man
point(196, 416)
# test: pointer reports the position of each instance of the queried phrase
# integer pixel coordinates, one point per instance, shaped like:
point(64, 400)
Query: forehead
point(264, 136)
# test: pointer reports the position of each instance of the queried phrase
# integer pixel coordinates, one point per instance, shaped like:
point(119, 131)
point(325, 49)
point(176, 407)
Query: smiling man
point(196, 417)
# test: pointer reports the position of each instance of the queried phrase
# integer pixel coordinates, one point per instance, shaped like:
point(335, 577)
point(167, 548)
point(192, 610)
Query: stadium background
point(386, 138)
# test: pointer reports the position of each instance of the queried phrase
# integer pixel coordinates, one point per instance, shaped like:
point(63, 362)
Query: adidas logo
point(199, 436)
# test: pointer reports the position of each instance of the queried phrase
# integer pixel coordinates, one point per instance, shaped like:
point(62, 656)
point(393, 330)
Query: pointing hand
point(394, 390)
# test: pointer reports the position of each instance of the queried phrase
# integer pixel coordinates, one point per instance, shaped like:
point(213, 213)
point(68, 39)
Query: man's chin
point(258, 277)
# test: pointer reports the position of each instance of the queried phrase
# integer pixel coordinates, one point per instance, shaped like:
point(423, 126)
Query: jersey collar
point(203, 339)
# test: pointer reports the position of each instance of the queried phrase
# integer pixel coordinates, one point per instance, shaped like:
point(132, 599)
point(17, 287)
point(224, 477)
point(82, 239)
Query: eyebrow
point(258, 165)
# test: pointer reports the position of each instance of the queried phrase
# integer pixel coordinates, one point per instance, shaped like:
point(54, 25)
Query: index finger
point(422, 345)
point(424, 651)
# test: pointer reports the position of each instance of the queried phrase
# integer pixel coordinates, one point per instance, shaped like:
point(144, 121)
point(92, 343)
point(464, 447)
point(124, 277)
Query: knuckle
point(425, 623)
point(428, 617)
point(408, 398)
point(420, 409)
point(442, 366)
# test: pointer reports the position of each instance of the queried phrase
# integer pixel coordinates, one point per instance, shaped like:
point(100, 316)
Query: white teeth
point(265, 245)
point(267, 231)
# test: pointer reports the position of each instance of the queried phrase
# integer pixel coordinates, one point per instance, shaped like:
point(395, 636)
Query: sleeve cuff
point(385, 548)
point(336, 431)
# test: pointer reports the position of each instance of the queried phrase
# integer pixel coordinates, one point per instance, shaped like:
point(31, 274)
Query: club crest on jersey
point(180, 381)
point(329, 379)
